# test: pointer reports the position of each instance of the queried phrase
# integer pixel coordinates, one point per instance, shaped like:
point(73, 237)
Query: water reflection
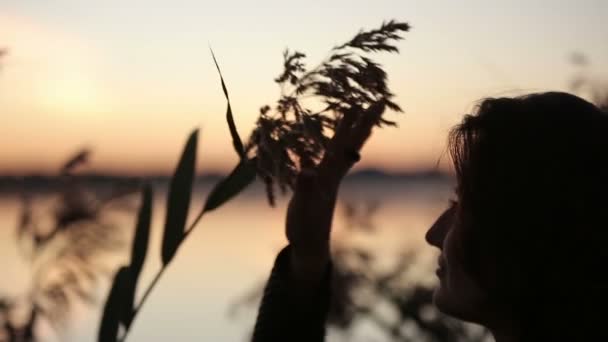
point(234, 248)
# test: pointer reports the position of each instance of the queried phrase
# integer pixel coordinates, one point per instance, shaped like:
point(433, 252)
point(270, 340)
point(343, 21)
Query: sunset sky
point(130, 79)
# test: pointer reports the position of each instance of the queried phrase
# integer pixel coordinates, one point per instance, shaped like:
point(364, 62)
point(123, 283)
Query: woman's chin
point(457, 306)
point(451, 304)
point(441, 300)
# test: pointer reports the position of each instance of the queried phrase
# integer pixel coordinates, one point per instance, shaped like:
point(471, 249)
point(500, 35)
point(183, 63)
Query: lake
point(232, 251)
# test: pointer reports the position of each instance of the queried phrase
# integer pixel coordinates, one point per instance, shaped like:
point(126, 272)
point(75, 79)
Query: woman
point(523, 245)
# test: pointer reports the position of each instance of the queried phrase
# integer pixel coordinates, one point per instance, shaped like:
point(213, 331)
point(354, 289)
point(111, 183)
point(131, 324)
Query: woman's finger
point(348, 153)
point(343, 131)
point(328, 167)
point(363, 127)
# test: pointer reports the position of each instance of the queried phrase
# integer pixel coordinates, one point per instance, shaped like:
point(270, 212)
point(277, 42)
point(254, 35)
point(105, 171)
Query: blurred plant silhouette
point(586, 81)
point(295, 133)
point(360, 215)
point(3, 53)
point(64, 242)
point(389, 299)
point(347, 82)
point(122, 306)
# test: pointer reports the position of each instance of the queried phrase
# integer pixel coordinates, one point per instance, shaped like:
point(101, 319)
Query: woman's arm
point(296, 297)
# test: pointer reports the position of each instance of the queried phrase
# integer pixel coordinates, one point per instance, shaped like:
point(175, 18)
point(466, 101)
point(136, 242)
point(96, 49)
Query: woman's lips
point(440, 268)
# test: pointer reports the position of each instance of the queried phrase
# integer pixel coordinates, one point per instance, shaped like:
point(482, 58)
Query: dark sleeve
point(285, 316)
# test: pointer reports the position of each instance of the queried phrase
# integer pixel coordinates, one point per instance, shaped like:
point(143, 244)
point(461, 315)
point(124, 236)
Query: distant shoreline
point(43, 183)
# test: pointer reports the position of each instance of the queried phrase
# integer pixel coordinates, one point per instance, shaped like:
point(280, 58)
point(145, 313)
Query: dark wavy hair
point(532, 186)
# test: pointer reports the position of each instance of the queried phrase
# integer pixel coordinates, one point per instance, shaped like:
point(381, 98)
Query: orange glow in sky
point(131, 80)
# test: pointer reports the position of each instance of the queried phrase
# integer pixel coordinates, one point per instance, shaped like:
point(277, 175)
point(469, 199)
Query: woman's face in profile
point(457, 293)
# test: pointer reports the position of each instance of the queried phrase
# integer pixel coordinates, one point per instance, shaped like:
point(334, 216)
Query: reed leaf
point(112, 312)
point(138, 253)
point(241, 177)
point(292, 135)
point(142, 231)
point(178, 200)
point(236, 139)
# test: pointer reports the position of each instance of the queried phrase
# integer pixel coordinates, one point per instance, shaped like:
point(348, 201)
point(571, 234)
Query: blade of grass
point(112, 312)
point(236, 139)
point(138, 252)
point(242, 175)
point(142, 231)
point(178, 200)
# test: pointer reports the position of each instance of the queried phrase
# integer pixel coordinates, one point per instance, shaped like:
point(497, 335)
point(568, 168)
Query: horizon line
point(217, 173)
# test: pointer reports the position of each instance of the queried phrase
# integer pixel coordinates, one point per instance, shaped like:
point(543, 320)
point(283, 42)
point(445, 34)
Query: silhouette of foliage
point(138, 255)
point(3, 53)
point(360, 215)
point(293, 134)
point(236, 139)
point(121, 307)
point(65, 244)
point(175, 232)
point(178, 200)
point(347, 80)
point(244, 173)
point(241, 177)
point(115, 306)
point(142, 231)
point(360, 288)
point(78, 159)
point(586, 82)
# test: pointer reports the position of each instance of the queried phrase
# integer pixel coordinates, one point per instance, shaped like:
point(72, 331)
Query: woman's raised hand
point(310, 211)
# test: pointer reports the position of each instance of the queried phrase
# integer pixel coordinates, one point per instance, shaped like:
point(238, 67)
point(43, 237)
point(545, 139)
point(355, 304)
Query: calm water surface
point(231, 252)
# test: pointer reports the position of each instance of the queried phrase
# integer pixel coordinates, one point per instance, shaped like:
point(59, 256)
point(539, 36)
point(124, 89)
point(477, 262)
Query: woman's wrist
point(309, 267)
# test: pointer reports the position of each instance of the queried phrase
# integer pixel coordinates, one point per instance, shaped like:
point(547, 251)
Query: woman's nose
point(435, 235)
